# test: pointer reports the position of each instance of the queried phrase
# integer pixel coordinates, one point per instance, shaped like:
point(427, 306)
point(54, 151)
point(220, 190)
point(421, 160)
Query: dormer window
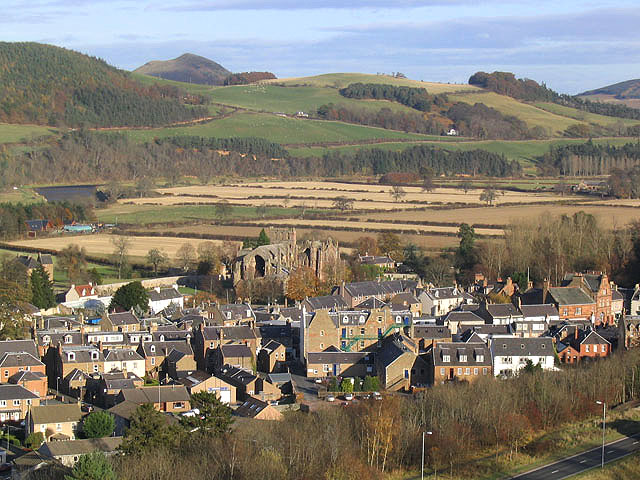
point(463, 357)
point(361, 319)
point(522, 346)
point(162, 338)
point(446, 358)
point(94, 355)
point(345, 319)
point(398, 319)
point(46, 339)
point(480, 358)
point(543, 346)
point(68, 339)
point(248, 313)
point(152, 349)
point(71, 356)
point(228, 315)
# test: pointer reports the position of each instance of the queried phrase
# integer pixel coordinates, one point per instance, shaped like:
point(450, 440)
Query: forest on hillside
point(48, 85)
point(588, 159)
point(506, 83)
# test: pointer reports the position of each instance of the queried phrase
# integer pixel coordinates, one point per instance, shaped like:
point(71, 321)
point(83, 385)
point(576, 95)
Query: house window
point(322, 346)
point(565, 311)
point(379, 319)
point(475, 371)
point(29, 400)
point(369, 369)
point(178, 404)
point(480, 358)
point(3, 403)
point(484, 371)
point(351, 332)
point(96, 368)
point(442, 370)
point(326, 368)
point(578, 311)
point(322, 333)
point(362, 331)
point(153, 360)
point(58, 427)
point(362, 344)
point(152, 348)
point(446, 358)
point(6, 373)
point(16, 403)
point(463, 357)
point(467, 371)
point(586, 348)
point(43, 428)
point(459, 370)
point(68, 339)
point(72, 356)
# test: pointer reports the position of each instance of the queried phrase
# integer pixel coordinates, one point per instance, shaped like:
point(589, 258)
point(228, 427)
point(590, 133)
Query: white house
point(511, 354)
point(161, 298)
point(125, 360)
point(440, 301)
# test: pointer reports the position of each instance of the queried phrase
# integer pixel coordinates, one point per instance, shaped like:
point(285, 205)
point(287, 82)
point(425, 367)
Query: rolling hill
point(47, 85)
point(626, 93)
point(188, 68)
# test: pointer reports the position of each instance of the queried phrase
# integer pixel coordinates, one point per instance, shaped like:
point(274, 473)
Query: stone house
point(510, 355)
point(272, 358)
point(458, 361)
point(58, 422)
point(15, 402)
point(165, 398)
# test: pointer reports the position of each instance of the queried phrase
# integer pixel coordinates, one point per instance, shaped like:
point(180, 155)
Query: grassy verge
point(627, 468)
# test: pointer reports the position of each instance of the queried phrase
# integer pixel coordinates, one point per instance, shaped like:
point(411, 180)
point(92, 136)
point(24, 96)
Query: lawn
point(276, 129)
point(10, 133)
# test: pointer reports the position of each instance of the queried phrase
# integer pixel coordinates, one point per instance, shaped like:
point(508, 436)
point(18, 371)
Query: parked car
point(348, 396)
point(318, 380)
point(377, 396)
point(331, 398)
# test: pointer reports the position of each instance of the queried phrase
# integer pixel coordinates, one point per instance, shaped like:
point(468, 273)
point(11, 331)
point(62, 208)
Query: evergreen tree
point(131, 295)
point(263, 239)
point(98, 425)
point(92, 466)
point(42, 295)
point(149, 429)
point(214, 418)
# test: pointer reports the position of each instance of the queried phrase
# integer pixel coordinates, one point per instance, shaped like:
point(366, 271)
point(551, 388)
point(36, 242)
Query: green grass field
point(23, 133)
point(148, 214)
point(21, 195)
point(277, 129)
point(525, 151)
point(290, 100)
point(583, 116)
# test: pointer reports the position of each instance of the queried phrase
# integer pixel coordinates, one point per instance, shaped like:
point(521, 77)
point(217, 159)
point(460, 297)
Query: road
point(584, 461)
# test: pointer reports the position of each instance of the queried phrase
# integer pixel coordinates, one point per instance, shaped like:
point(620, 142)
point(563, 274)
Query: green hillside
point(188, 68)
point(48, 85)
point(622, 90)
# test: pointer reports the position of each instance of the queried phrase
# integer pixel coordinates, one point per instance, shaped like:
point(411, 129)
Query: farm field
point(21, 195)
point(340, 80)
point(530, 114)
point(277, 129)
point(146, 214)
point(432, 243)
point(100, 245)
point(290, 100)
point(583, 116)
point(524, 151)
point(10, 133)
point(357, 192)
point(609, 216)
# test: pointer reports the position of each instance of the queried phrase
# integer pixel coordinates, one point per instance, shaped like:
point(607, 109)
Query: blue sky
point(571, 45)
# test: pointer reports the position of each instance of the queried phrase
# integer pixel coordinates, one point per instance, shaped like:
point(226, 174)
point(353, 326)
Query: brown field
point(364, 226)
point(430, 242)
point(360, 192)
point(609, 216)
point(100, 245)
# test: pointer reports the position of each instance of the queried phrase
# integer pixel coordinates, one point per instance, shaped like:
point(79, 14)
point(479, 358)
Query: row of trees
point(588, 159)
point(245, 78)
point(416, 98)
point(90, 156)
point(383, 118)
point(13, 216)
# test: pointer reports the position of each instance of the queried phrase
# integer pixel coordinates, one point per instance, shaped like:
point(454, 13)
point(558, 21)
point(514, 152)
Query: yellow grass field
point(359, 192)
point(100, 245)
point(609, 216)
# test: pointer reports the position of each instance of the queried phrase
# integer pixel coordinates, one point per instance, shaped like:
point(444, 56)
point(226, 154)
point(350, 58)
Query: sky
point(571, 45)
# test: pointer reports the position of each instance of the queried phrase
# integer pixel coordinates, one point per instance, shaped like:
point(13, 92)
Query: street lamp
point(604, 423)
point(423, 434)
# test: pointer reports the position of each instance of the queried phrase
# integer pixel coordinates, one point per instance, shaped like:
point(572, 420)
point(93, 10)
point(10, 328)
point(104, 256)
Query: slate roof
point(45, 259)
point(486, 329)
point(80, 447)
point(327, 357)
point(124, 409)
point(55, 337)
point(62, 413)
point(193, 378)
point(616, 295)
point(540, 310)
point(373, 288)
point(456, 350)
point(11, 359)
point(164, 294)
point(593, 338)
point(251, 407)
point(463, 317)
point(28, 346)
point(26, 376)
point(369, 304)
point(239, 333)
point(123, 318)
point(9, 391)
point(162, 349)
point(431, 332)
point(327, 302)
point(275, 331)
point(292, 313)
point(271, 345)
point(235, 351)
point(37, 225)
point(444, 293)
point(82, 354)
point(375, 260)
point(165, 393)
point(236, 376)
point(121, 355)
point(28, 261)
point(570, 296)
point(502, 310)
point(279, 378)
point(404, 298)
point(238, 311)
point(392, 348)
point(352, 318)
point(529, 347)
point(162, 335)
point(591, 280)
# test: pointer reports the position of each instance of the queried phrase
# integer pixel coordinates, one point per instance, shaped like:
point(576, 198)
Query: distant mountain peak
point(188, 67)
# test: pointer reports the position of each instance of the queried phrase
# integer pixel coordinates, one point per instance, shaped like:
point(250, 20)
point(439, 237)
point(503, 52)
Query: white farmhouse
point(511, 354)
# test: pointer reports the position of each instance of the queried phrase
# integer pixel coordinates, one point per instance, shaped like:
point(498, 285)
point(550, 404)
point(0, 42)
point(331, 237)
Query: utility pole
point(604, 423)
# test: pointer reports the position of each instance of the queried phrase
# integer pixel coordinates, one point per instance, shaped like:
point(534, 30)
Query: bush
point(346, 386)
point(34, 440)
